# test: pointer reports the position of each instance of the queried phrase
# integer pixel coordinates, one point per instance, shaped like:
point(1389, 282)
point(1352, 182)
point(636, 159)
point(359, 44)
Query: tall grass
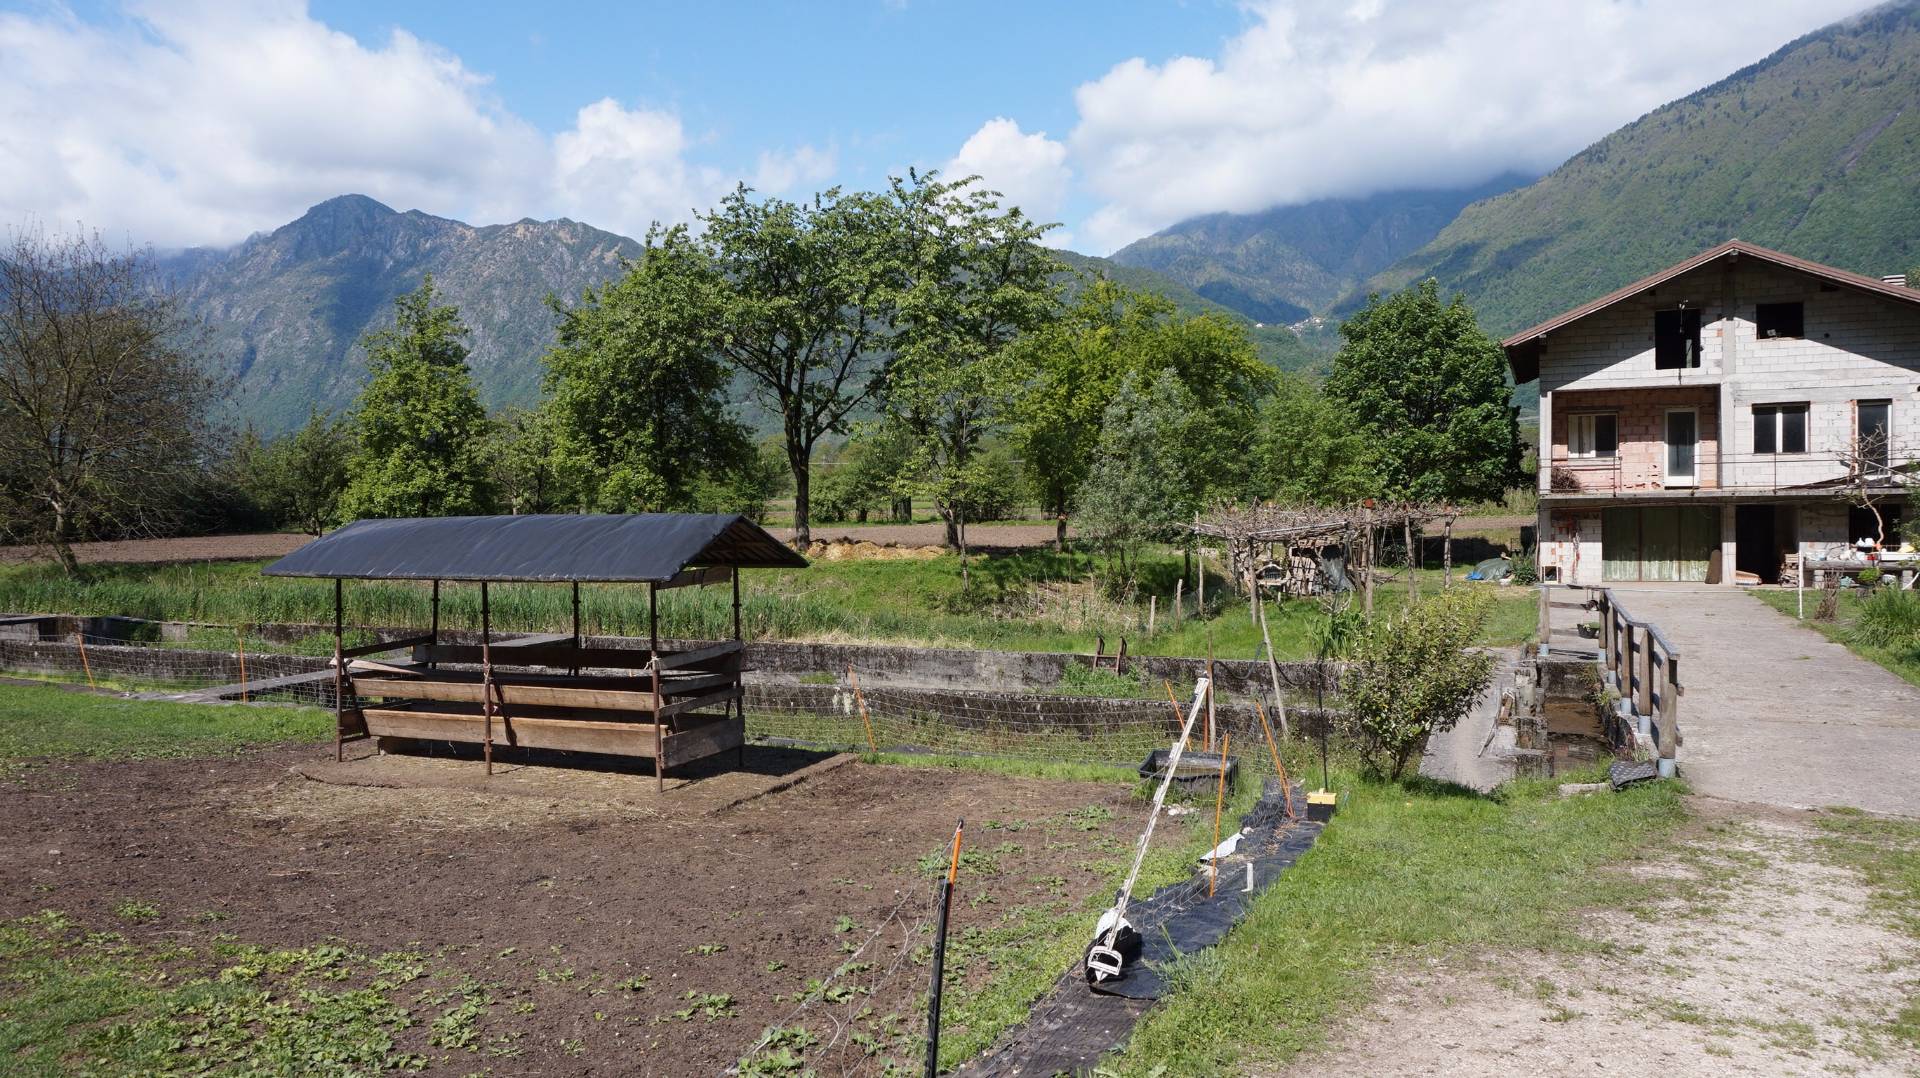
point(1887, 619)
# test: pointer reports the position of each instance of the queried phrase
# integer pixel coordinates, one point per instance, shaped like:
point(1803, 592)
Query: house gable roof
point(1523, 348)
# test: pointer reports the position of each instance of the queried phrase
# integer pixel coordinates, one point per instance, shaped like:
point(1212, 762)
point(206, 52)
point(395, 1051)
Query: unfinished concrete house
point(1707, 422)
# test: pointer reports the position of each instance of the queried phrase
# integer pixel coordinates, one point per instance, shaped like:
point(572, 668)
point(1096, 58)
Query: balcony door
point(1683, 441)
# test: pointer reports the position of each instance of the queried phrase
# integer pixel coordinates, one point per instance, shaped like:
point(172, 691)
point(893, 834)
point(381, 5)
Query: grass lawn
point(1904, 661)
point(1402, 871)
point(47, 721)
point(1034, 600)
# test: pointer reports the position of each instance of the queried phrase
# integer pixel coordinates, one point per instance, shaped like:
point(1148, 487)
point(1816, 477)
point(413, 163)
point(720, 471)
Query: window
point(1593, 435)
point(1779, 428)
point(1780, 320)
point(1871, 426)
point(1676, 339)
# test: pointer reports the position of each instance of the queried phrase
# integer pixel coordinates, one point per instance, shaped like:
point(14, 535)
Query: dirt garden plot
point(544, 922)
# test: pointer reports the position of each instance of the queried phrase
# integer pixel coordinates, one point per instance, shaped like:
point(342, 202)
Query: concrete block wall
point(1570, 545)
point(1857, 346)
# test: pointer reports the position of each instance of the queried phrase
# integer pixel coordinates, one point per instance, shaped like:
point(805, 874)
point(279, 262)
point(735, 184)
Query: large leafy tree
point(103, 405)
point(972, 279)
point(1073, 366)
point(1309, 448)
point(639, 385)
point(298, 478)
point(797, 298)
point(1144, 480)
point(420, 423)
point(1430, 389)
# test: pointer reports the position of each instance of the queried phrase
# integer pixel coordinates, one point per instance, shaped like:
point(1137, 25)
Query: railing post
point(1669, 713)
point(1643, 697)
point(1606, 628)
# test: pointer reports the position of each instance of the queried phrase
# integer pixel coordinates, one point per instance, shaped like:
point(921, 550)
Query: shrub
point(1869, 576)
point(1525, 570)
point(1887, 619)
point(1411, 676)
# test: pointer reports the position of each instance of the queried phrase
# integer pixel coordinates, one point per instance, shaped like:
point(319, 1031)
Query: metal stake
point(940, 954)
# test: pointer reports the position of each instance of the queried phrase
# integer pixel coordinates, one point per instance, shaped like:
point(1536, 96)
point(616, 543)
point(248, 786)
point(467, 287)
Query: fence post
point(1643, 696)
point(1669, 710)
point(1546, 620)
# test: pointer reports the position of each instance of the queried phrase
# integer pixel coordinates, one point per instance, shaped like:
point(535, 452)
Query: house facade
point(1706, 421)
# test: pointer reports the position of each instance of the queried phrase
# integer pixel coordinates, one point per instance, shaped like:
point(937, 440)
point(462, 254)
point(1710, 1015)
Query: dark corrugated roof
point(635, 547)
point(1523, 348)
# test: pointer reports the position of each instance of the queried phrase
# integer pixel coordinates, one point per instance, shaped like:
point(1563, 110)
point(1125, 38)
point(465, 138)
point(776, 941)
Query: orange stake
point(1280, 769)
point(860, 699)
point(1219, 802)
point(953, 861)
point(242, 638)
point(1177, 721)
point(81, 638)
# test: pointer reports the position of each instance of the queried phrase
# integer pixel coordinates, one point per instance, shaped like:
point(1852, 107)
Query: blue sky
point(177, 122)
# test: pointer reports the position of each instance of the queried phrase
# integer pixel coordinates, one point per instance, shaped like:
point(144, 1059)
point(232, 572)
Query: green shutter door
point(1620, 544)
point(1699, 535)
point(1660, 544)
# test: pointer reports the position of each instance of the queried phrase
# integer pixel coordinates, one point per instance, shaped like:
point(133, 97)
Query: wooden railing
point(1643, 666)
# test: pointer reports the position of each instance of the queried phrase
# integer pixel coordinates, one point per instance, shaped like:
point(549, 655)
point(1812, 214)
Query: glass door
point(1683, 436)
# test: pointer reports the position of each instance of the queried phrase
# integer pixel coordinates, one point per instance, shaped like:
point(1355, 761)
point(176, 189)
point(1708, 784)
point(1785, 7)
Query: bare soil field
point(590, 927)
point(980, 537)
point(198, 548)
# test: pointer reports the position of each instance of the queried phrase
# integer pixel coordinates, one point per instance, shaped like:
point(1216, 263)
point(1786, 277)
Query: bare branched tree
point(103, 411)
point(1877, 473)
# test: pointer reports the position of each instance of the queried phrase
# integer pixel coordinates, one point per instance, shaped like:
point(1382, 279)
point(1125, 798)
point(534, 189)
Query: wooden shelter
point(547, 692)
point(1257, 539)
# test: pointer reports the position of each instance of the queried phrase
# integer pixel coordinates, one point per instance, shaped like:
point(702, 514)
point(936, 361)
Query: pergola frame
point(1243, 530)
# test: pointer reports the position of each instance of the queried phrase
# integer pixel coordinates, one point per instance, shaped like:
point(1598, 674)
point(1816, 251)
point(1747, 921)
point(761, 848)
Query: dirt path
point(1772, 957)
point(1775, 713)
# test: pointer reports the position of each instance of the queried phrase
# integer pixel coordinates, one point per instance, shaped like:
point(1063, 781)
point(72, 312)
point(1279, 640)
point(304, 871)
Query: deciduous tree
point(298, 478)
point(103, 403)
point(1430, 389)
point(1140, 487)
point(1413, 674)
point(419, 422)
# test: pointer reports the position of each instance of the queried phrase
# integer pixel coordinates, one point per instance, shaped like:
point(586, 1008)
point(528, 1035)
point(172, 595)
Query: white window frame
point(1666, 450)
point(1583, 441)
point(1774, 411)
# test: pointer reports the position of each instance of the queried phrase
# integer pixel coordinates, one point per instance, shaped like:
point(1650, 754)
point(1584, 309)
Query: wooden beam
point(695, 578)
point(506, 692)
point(574, 735)
point(387, 645)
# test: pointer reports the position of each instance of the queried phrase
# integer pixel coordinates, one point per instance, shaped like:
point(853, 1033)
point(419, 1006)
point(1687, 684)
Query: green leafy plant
point(1412, 675)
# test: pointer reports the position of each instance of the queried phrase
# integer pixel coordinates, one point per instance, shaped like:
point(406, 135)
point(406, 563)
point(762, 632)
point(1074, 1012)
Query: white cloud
point(782, 171)
point(1340, 97)
point(1029, 170)
point(198, 122)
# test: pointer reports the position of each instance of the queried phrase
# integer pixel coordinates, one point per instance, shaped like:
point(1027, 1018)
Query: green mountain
point(1277, 344)
point(1814, 150)
point(286, 310)
point(1284, 264)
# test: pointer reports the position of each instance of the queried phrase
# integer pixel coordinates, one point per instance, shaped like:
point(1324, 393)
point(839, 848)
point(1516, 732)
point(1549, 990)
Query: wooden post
point(575, 668)
point(434, 631)
point(1606, 632)
point(240, 638)
point(1643, 694)
point(1209, 699)
point(1219, 802)
point(860, 699)
point(1669, 709)
point(1366, 584)
point(339, 668)
point(1153, 609)
point(1279, 769)
point(1179, 612)
point(1253, 582)
point(81, 639)
point(486, 676)
point(653, 665)
point(1200, 573)
point(1546, 620)
point(740, 701)
point(1413, 562)
point(1273, 671)
point(1446, 555)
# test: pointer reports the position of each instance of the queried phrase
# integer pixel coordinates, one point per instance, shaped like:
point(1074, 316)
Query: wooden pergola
point(545, 692)
point(1244, 531)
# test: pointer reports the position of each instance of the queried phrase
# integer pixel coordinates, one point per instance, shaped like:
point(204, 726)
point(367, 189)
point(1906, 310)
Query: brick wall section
point(1640, 462)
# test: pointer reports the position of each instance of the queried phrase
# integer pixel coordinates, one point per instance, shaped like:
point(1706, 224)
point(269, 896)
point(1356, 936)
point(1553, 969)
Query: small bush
point(1525, 570)
point(1887, 619)
point(1412, 676)
point(1869, 576)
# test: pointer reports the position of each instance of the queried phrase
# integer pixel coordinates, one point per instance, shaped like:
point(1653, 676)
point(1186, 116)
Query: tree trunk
point(950, 515)
point(802, 529)
point(1060, 531)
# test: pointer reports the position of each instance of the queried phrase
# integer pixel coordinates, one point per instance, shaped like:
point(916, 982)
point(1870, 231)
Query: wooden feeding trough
point(545, 692)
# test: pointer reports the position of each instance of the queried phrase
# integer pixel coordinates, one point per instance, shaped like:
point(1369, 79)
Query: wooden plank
point(387, 645)
point(687, 660)
point(533, 640)
point(705, 740)
point(686, 685)
point(559, 657)
point(573, 735)
point(698, 702)
point(509, 693)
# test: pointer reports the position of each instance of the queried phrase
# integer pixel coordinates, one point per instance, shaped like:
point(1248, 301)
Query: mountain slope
point(1277, 344)
point(1814, 150)
point(1283, 264)
point(287, 309)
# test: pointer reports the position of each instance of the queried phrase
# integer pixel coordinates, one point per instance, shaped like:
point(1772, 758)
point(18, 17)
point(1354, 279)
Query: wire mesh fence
point(1040, 727)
